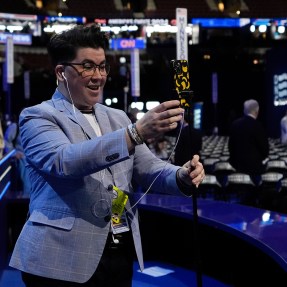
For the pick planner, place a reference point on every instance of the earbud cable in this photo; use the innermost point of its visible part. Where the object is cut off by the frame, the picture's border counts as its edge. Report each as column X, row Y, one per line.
column 167, row 161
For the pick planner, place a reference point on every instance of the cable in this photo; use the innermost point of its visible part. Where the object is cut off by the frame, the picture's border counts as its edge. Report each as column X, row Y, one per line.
column 68, row 89
column 167, row 161
column 102, row 201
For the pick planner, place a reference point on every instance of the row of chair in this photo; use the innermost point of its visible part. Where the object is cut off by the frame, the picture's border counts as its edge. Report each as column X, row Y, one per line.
column 269, row 192
column 223, row 182
column 215, row 151
column 224, row 168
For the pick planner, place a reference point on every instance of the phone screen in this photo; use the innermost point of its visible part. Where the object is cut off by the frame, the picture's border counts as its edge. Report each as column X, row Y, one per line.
column 181, row 81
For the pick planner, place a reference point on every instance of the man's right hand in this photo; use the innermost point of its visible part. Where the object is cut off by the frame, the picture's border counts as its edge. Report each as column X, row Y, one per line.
column 159, row 120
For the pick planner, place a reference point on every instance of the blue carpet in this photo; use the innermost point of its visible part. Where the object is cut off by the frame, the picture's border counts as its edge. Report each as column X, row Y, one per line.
column 11, row 278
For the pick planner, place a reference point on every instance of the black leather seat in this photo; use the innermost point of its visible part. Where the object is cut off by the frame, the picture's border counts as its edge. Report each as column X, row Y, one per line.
column 210, row 187
column 268, row 190
column 240, row 189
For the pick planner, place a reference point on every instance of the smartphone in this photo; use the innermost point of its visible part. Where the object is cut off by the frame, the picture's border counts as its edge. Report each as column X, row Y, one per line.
column 181, row 81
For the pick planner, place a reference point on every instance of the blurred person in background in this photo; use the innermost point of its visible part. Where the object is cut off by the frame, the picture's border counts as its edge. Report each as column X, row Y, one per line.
column 132, row 114
column 12, row 140
column 248, row 143
column 159, row 148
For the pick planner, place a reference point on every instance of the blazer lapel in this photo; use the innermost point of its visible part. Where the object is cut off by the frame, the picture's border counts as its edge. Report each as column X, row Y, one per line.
column 63, row 105
column 102, row 119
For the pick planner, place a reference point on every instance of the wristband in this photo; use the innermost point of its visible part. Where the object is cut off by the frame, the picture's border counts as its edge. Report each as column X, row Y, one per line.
column 134, row 135
column 142, row 139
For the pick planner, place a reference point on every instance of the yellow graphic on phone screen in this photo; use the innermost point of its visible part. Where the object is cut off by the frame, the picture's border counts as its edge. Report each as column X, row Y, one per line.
column 181, row 80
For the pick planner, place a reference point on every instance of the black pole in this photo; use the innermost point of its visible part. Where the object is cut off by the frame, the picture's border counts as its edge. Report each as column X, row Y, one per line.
column 195, row 214
column 182, row 85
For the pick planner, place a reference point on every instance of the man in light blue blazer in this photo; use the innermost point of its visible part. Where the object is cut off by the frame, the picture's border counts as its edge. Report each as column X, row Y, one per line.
column 82, row 158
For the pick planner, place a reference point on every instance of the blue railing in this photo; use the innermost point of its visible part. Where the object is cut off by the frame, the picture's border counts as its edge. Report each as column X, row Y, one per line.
column 5, row 173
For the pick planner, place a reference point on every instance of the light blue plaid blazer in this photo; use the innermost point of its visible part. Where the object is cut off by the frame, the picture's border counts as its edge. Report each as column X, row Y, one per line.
column 70, row 169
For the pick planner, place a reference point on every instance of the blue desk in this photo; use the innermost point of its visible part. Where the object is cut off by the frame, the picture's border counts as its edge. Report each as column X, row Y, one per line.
column 261, row 230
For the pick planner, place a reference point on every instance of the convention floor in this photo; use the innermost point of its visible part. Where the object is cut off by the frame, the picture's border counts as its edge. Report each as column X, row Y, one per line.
column 155, row 275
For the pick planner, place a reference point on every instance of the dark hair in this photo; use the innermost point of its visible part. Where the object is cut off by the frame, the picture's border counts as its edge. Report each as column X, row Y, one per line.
column 63, row 47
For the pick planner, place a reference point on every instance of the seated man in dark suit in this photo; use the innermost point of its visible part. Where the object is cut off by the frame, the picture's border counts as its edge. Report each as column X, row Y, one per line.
column 248, row 142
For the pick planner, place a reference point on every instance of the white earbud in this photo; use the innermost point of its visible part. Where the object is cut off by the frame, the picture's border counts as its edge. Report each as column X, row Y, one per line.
column 116, row 241
column 64, row 76
column 67, row 84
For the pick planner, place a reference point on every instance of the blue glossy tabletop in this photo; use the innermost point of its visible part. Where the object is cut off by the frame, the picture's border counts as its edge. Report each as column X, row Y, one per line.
column 264, row 229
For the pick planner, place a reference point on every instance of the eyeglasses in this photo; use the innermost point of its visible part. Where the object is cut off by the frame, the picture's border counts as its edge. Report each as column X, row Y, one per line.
column 89, row 68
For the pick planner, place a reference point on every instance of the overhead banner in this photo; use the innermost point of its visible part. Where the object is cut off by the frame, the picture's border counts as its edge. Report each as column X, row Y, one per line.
column 18, row 39
column 135, row 72
column 181, row 36
column 125, row 44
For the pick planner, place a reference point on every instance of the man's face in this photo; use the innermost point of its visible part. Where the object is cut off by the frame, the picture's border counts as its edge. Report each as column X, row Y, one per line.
column 85, row 91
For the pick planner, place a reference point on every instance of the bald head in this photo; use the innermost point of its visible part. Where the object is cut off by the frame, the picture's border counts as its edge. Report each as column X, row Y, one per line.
column 251, row 108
